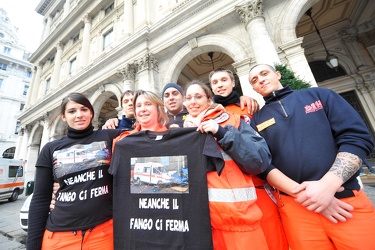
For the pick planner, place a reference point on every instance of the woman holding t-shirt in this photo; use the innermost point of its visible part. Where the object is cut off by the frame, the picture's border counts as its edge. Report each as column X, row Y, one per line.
column 79, row 162
column 235, row 216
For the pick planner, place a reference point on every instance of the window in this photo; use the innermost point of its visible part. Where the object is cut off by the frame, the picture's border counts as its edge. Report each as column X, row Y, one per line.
column 17, row 127
column 48, row 82
column 72, row 67
column 75, row 39
column 1, row 83
column 3, row 66
column 1, row 35
column 6, row 50
column 107, row 39
column 22, row 106
column 28, row 74
column 9, row 153
column 25, row 89
column 108, row 10
column 15, row 171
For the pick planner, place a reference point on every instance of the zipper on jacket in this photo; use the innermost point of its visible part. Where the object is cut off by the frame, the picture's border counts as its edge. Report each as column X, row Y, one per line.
column 281, row 104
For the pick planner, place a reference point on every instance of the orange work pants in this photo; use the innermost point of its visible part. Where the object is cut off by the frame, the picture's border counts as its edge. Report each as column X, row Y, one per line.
column 271, row 222
column 309, row 230
column 236, row 240
column 98, row 238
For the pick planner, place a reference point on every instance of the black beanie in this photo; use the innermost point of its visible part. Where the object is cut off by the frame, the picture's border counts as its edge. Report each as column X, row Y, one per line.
column 172, row 85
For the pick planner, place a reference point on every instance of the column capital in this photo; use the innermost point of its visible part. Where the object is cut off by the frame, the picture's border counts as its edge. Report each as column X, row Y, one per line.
column 58, row 45
column 250, row 10
column 87, row 18
column 128, row 72
column 148, row 62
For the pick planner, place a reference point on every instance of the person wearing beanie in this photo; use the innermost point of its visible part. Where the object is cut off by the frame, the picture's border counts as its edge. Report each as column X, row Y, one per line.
column 173, row 98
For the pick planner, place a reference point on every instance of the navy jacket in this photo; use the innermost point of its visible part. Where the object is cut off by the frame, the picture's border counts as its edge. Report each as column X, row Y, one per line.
column 305, row 129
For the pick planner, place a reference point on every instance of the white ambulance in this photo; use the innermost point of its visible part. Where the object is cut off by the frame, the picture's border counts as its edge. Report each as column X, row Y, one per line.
column 11, row 179
column 151, row 173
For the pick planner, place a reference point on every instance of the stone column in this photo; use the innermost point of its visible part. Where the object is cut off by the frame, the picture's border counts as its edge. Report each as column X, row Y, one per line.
column 31, row 87
column 148, row 72
column 366, row 86
column 47, row 27
column 32, row 156
column 46, row 130
column 86, row 41
column 128, row 17
column 128, row 74
column 36, row 84
column 251, row 14
column 56, row 69
column 22, row 143
column 356, row 51
column 66, row 8
column 295, row 55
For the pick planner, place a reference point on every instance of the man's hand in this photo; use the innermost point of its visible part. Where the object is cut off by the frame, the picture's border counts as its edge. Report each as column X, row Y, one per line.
column 252, row 104
column 337, row 210
column 318, row 194
column 111, row 124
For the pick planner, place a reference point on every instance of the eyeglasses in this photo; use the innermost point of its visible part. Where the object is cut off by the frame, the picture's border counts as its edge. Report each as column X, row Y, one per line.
column 196, row 97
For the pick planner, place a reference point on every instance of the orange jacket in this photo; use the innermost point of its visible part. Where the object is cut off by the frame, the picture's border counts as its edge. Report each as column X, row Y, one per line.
column 232, row 195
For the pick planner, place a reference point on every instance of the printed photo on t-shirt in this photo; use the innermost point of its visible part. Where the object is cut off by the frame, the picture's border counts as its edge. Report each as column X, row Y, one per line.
column 160, row 174
column 80, row 157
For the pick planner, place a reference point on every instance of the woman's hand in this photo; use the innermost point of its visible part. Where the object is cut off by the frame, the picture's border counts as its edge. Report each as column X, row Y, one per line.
column 208, row 126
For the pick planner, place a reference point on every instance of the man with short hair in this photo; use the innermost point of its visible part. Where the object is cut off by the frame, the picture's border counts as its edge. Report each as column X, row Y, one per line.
column 317, row 141
column 173, row 97
column 222, row 83
column 127, row 121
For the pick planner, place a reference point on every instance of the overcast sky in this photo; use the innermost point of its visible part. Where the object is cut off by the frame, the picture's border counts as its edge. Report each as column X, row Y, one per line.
column 22, row 14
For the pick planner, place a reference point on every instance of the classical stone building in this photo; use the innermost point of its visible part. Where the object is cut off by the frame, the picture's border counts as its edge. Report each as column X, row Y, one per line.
column 15, row 76
column 101, row 48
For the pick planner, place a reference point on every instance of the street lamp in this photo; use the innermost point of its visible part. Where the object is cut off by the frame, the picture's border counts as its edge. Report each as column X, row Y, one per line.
column 331, row 60
column 211, row 55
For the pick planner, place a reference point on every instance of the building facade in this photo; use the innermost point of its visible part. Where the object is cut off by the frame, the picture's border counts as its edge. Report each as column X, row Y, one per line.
column 15, row 77
column 102, row 48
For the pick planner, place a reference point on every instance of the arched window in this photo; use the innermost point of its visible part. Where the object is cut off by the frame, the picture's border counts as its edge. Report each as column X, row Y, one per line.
column 9, row 153
column 322, row 72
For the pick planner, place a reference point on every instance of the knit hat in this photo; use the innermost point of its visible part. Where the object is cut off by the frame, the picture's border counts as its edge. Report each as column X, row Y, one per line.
column 172, row 85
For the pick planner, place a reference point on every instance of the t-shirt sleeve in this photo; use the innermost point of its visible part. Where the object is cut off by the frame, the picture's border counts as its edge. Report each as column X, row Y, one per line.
column 39, row 207
column 213, row 155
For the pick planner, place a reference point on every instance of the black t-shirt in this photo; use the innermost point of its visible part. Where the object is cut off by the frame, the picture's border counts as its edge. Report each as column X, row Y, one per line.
column 160, row 189
column 80, row 166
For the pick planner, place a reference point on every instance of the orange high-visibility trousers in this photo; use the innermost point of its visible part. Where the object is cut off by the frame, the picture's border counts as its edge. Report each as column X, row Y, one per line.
column 98, row 238
column 306, row 230
column 271, row 222
column 236, row 240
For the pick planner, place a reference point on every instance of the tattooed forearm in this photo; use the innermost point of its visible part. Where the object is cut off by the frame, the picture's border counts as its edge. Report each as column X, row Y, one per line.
column 345, row 165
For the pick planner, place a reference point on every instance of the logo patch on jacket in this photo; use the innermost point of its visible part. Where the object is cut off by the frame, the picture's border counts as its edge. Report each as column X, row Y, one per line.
column 266, row 124
column 221, row 118
column 313, row 107
column 246, row 118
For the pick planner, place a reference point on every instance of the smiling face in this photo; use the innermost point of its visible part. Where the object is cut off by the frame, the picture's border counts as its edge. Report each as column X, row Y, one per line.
column 127, row 105
column 221, row 83
column 146, row 113
column 264, row 79
column 173, row 100
column 77, row 115
column 196, row 100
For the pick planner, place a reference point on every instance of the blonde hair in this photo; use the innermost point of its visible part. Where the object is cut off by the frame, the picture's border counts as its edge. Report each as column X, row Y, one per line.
column 162, row 116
